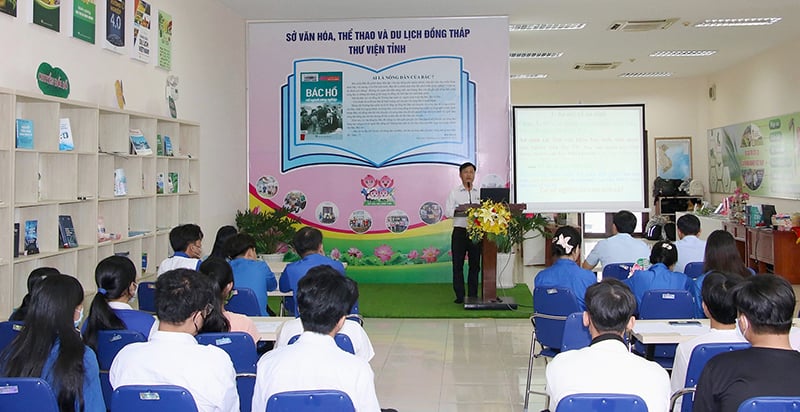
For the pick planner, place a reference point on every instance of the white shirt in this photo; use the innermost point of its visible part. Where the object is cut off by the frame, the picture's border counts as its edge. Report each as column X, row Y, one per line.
column 315, row 362
column 607, row 367
column 690, row 249
column 361, row 343
column 620, row 248
column 175, row 358
column 460, row 196
column 178, row 262
column 684, row 352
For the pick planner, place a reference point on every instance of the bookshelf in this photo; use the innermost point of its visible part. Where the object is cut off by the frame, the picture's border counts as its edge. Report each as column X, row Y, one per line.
column 42, row 183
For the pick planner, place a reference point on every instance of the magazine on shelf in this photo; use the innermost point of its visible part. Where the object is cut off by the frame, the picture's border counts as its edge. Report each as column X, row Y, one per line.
column 139, row 144
column 66, row 232
column 173, row 184
column 65, row 142
column 31, row 237
column 24, row 134
column 160, row 184
column 120, row 183
column 159, row 145
column 167, row 146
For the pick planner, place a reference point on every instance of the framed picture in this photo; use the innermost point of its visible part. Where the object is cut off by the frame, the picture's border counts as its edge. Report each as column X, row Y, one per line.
column 674, row 157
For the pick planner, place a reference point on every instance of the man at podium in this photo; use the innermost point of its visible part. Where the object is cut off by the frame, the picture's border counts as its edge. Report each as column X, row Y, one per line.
column 459, row 201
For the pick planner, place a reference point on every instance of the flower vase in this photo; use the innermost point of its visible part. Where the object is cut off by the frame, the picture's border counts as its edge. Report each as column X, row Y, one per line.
column 505, row 270
column 272, row 257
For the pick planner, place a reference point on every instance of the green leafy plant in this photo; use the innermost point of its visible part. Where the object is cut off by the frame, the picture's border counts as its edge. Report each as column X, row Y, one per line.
column 518, row 227
column 273, row 230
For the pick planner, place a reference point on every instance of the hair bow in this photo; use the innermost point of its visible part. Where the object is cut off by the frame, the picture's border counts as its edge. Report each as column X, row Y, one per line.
column 564, row 242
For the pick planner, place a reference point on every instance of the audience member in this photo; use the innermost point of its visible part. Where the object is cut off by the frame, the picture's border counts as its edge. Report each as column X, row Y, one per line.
column 172, row 356
column 621, row 247
column 223, row 234
column 50, row 347
column 248, row 270
column 765, row 305
column 187, row 242
column 314, row 361
column 606, row 366
column 565, row 272
column 115, row 277
column 34, row 278
column 721, row 256
column 719, row 308
column 660, row 274
column 221, row 275
column 307, row 243
column 690, row 247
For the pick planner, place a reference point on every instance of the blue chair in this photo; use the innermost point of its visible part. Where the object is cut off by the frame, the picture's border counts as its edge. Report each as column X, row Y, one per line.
column 771, row 404
column 244, row 301
column 152, row 398
column 551, row 308
column 27, row 394
column 146, row 293
column 576, row 335
column 601, row 402
column 8, row 331
column 693, row 269
column 310, row 401
column 342, row 341
column 109, row 343
column 664, row 304
column 242, row 350
column 619, row 271
column 701, row 354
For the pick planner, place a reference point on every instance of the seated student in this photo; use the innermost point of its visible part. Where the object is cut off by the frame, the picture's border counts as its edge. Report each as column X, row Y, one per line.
column 50, row 347
column 606, row 366
column 314, row 361
column 223, row 234
column 690, row 247
column 172, row 356
column 565, row 272
column 187, row 242
column 115, row 277
column 307, row 243
column 721, row 255
column 219, row 271
column 660, row 275
column 621, row 247
column 248, row 270
column 34, row 278
column 765, row 304
column 719, row 308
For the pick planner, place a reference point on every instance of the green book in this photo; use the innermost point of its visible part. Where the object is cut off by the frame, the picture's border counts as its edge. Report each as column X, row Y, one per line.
column 173, row 182
column 159, row 145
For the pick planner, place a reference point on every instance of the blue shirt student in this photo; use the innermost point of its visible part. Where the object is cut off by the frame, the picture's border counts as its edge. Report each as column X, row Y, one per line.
column 255, row 275
column 92, row 393
column 620, row 248
column 296, row 270
column 566, row 273
column 137, row 320
column 659, row 277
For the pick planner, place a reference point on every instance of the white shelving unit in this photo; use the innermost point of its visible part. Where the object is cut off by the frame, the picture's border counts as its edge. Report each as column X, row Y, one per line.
column 42, row 183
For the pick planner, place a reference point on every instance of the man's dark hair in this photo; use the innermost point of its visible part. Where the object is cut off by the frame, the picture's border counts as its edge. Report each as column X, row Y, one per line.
column 180, row 293
column 180, row 237
column 717, row 296
column 625, row 221
column 323, row 297
column 466, row 165
column 689, row 224
column 767, row 301
column 238, row 244
column 307, row 240
column 610, row 304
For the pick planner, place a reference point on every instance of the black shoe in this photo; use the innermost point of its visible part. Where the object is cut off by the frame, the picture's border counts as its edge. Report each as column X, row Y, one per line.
column 459, row 300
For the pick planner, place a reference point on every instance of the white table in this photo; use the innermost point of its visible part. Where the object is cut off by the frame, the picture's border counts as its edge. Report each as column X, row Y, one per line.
column 651, row 332
column 268, row 326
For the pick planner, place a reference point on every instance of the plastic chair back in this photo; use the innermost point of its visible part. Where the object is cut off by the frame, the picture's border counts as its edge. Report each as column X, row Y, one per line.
column 27, row 394
column 576, row 335
column 342, row 341
column 619, row 271
column 771, row 404
column 551, row 307
column 146, row 294
column 666, row 304
column 244, row 301
column 693, row 269
column 701, row 354
column 310, row 401
column 152, row 398
column 601, row 402
column 109, row 343
column 8, row 331
column 242, row 350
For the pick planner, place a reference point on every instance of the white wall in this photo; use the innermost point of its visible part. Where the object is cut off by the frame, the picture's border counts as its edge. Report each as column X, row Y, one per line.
column 209, row 57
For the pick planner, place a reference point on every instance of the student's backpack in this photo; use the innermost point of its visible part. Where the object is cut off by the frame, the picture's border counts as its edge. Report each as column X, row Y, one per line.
column 659, row 227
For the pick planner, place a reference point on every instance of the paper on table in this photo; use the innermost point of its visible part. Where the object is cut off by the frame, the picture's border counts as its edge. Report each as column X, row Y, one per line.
column 666, row 328
column 267, row 326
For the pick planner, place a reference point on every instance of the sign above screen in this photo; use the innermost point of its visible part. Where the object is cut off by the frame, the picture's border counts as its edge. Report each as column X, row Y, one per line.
column 580, row 158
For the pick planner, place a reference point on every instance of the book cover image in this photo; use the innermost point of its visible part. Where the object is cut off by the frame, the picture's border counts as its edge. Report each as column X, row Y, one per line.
column 24, row 134
column 159, row 145
column 66, row 232
column 160, row 184
column 139, row 143
column 8, row 7
column 168, row 146
column 46, row 13
column 115, row 25
column 120, row 182
column 83, row 20
column 31, row 237
column 174, row 183
column 141, row 31
column 65, row 142
column 321, row 106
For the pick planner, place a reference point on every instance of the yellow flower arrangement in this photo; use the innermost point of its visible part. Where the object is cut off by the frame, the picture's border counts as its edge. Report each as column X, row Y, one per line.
column 489, row 220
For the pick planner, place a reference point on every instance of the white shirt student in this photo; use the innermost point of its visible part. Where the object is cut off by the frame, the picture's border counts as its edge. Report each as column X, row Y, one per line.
column 362, row 346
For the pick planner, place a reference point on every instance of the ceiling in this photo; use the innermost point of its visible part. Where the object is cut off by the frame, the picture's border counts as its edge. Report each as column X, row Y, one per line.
column 593, row 44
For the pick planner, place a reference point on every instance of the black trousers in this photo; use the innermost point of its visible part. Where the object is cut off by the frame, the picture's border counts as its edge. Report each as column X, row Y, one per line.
column 461, row 245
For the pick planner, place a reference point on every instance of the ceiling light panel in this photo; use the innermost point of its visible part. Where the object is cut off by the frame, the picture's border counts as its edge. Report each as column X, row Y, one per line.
column 682, row 53
column 747, row 21
column 529, row 76
column 645, row 74
column 535, row 55
column 546, row 26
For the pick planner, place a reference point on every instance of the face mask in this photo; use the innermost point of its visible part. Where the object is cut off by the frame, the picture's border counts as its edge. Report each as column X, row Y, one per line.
column 739, row 331
column 80, row 318
column 135, row 292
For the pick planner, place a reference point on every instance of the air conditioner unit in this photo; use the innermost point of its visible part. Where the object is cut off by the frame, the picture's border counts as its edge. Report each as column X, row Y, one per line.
column 642, row 25
column 596, row 66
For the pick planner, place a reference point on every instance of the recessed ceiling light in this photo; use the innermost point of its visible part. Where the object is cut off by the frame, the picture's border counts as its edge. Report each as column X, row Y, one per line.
column 535, row 55
column 682, row 53
column 546, row 26
column 747, row 21
column 646, row 74
column 529, row 76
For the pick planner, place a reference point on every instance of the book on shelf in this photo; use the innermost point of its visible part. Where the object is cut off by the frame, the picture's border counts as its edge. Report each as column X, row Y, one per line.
column 134, row 233
column 24, row 134
column 159, row 145
column 160, row 184
column 120, row 182
column 173, row 183
column 66, row 232
column 65, row 141
column 139, row 145
column 31, row 237
column 167, row 146
column 16, row 239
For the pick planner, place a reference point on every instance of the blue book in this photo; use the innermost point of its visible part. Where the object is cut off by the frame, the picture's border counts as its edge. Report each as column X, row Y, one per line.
column 65, row 142
column 24, row 134
column 167, row 146
column 31, row 237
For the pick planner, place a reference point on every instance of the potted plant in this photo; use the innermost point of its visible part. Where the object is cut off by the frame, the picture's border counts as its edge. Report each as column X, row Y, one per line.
column 272, row 230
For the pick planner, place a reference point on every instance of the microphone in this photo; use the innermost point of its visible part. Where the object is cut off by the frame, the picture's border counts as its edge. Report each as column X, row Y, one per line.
column 469, row 191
